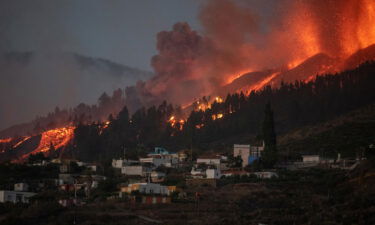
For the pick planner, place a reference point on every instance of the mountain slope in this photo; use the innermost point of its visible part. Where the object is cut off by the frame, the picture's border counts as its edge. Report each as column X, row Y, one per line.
column 346, row 134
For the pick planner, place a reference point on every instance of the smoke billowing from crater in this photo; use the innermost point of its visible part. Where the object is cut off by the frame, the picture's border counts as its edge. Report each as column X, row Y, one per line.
column 236, row 39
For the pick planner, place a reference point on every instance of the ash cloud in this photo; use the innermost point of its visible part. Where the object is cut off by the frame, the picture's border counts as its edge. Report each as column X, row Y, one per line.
column 242, row 36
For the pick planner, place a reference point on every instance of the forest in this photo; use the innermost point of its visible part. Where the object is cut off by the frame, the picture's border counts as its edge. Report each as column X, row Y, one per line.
column 236, row 118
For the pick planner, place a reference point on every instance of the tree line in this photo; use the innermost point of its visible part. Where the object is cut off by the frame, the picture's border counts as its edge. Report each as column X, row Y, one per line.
column 294, row 105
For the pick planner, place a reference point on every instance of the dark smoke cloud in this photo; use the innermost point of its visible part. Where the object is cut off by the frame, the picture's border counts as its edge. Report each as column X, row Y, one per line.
column 242, row 36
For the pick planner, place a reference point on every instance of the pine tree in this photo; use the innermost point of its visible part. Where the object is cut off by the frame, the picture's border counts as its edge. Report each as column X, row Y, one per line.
column 269, row 156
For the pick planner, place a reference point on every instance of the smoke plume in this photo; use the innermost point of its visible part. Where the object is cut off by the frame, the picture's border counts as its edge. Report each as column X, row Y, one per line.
column 239, row 37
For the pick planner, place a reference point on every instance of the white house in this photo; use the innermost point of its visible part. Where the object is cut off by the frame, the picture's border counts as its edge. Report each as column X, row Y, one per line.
column 213, row 174
column 243, row 151
column 214, row 160
column 119, row 163
column 168, row 162
column 138, row 170
column 19, row 194
column 15, row 196
column 247, row 153
column 197, row 172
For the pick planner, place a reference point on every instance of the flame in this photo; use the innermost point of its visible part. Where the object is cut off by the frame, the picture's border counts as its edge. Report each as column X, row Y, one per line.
column 231, row 77
column 217, row 116
column 58, row 137
column 22, row 141
column 7, row 140
column 263, row 82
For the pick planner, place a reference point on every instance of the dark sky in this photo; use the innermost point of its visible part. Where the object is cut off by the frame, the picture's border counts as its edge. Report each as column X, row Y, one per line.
column 123, row 31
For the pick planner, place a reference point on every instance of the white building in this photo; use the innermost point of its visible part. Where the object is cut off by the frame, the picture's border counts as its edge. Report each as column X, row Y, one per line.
column 137, row 170
column 209, row 160
column 213, row 174
column 119, row 163
column 167, row 162
column 15, row 196
column 243, row 151
column 19, row 194
column 247, row 153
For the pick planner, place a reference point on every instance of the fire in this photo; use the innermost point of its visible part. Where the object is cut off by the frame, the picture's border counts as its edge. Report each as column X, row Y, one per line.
column 176, row 123
column 58, row 137
column 7, row 140
column 263, row 82
column 217, row 116
column 22, row 141
column 232, row 77
column 218, row 99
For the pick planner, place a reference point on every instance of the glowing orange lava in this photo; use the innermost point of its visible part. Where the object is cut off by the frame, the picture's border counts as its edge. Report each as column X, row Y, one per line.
column 22, row 141
column 7, row 140
column 58, row 137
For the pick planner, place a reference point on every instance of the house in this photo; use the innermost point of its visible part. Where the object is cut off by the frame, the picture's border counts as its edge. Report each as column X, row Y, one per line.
column 167, row 162
column 119, row 163
column 15, row 196
column 148, row 188
column 203, row 171
column 198, row 171
column 213, row 174
column 162, row 157
column 248, row 153
column 19, row 194
column 209, row 160
column 138, row 170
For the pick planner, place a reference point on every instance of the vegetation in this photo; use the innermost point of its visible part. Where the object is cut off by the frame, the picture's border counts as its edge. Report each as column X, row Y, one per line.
column 296, row 104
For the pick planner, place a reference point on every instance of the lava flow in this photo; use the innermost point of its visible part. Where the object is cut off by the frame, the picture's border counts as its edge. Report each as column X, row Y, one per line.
column 58, row 138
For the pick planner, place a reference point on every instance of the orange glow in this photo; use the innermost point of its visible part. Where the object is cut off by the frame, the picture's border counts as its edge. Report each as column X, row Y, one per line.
column 22, row 141
column 7, row 140
column 294, row 64
column 217, row 116
column 230, row 78
column 218, row 99
column 263, row 82
column 58, row 137
column 199, row 126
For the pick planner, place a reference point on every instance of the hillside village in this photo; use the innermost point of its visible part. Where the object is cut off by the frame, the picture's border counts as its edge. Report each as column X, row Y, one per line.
column 161, row 177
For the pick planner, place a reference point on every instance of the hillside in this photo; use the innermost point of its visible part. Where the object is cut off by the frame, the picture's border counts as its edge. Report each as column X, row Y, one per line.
column 347, row 134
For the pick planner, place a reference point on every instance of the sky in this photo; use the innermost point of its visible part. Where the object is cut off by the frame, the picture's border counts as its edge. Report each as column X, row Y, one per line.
column 122, row 31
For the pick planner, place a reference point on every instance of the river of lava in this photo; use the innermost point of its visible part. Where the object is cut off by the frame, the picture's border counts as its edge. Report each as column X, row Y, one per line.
column 58, row 137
